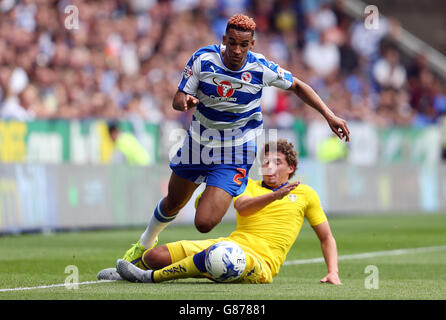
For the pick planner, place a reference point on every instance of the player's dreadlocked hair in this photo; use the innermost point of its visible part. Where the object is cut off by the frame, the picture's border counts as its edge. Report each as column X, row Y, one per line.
column 241, row 22
column 287, row 149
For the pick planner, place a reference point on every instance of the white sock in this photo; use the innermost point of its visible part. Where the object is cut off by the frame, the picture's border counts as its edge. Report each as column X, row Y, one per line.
column 157, row 224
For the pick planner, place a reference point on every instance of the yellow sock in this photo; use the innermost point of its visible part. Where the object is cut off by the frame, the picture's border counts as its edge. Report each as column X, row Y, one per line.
column 185, row 268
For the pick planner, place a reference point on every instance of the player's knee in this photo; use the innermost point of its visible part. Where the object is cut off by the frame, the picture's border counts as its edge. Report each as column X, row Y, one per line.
column 204, row 226
column 157, row 258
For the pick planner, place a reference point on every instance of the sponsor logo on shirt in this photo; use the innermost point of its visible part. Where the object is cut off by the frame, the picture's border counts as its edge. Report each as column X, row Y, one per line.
column 225, row 90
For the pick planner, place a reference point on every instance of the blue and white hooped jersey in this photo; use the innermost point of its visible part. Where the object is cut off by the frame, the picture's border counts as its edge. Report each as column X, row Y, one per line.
column 229, row 112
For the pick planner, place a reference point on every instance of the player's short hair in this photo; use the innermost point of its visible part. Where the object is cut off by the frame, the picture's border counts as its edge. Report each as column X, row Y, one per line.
column 241, row 22
column 287, row 149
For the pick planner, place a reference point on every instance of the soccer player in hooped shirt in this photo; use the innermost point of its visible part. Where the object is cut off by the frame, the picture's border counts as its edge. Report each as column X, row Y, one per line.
column 224, row 84
column 270, row 214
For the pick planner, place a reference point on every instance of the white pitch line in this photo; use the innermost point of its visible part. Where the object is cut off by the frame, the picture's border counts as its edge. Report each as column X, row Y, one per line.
column 367, row 255
column 286, row 263
column 55, row 285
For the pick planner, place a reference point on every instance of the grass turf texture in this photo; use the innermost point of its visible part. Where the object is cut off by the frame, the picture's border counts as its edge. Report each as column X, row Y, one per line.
column 35, row 260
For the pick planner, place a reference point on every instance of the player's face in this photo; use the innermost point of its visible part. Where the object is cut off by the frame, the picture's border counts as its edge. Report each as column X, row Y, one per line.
column 114, row 135
column 275, row 169
column 237, row 43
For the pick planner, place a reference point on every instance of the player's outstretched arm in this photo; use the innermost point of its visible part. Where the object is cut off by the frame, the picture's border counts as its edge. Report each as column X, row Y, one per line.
column 183, row 101
column 246, row 205
column 310, row 97
column 328, row 245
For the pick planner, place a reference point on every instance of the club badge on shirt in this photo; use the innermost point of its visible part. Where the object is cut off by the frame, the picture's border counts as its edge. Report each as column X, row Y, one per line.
column 247, row 76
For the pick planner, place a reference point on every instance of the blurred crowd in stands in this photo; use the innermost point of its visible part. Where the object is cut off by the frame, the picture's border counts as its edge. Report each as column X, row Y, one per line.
column 126, row 58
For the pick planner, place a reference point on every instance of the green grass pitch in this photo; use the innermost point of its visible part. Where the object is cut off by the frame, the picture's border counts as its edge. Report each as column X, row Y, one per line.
column 41, row 259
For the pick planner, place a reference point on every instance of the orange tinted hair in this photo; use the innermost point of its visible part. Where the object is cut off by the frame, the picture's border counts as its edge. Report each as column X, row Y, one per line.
column 241, row 22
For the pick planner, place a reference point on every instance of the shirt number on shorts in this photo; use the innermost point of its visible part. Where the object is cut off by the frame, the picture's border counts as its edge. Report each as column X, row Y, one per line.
column 239, row 176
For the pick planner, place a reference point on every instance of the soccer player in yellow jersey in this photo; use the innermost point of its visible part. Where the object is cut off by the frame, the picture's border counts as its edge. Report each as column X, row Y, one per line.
column 270, row 214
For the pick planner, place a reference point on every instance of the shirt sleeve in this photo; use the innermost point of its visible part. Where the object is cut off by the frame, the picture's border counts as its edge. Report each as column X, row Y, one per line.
column 274, row 75
column 190, row 76
column 314, row 212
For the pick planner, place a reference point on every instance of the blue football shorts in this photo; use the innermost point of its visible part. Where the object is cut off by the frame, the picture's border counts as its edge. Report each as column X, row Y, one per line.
column 231, row 177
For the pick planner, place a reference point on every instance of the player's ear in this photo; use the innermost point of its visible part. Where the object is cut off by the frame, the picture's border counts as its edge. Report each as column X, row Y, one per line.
column 253, row 41
column 224, row 39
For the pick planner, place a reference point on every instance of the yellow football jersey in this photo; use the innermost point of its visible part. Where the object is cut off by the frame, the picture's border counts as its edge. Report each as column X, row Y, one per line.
column 271, row 231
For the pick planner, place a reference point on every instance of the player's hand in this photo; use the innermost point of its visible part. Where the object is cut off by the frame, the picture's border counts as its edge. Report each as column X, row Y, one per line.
column 339, row 127
column 183, row 101
column 285, row 190
column 190, row 102
column 332, row 278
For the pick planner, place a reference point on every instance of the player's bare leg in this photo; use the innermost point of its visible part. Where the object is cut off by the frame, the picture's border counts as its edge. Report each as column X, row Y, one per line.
column 163, row 268
column 157, row 258
column 179, row 192
column 211, row 208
